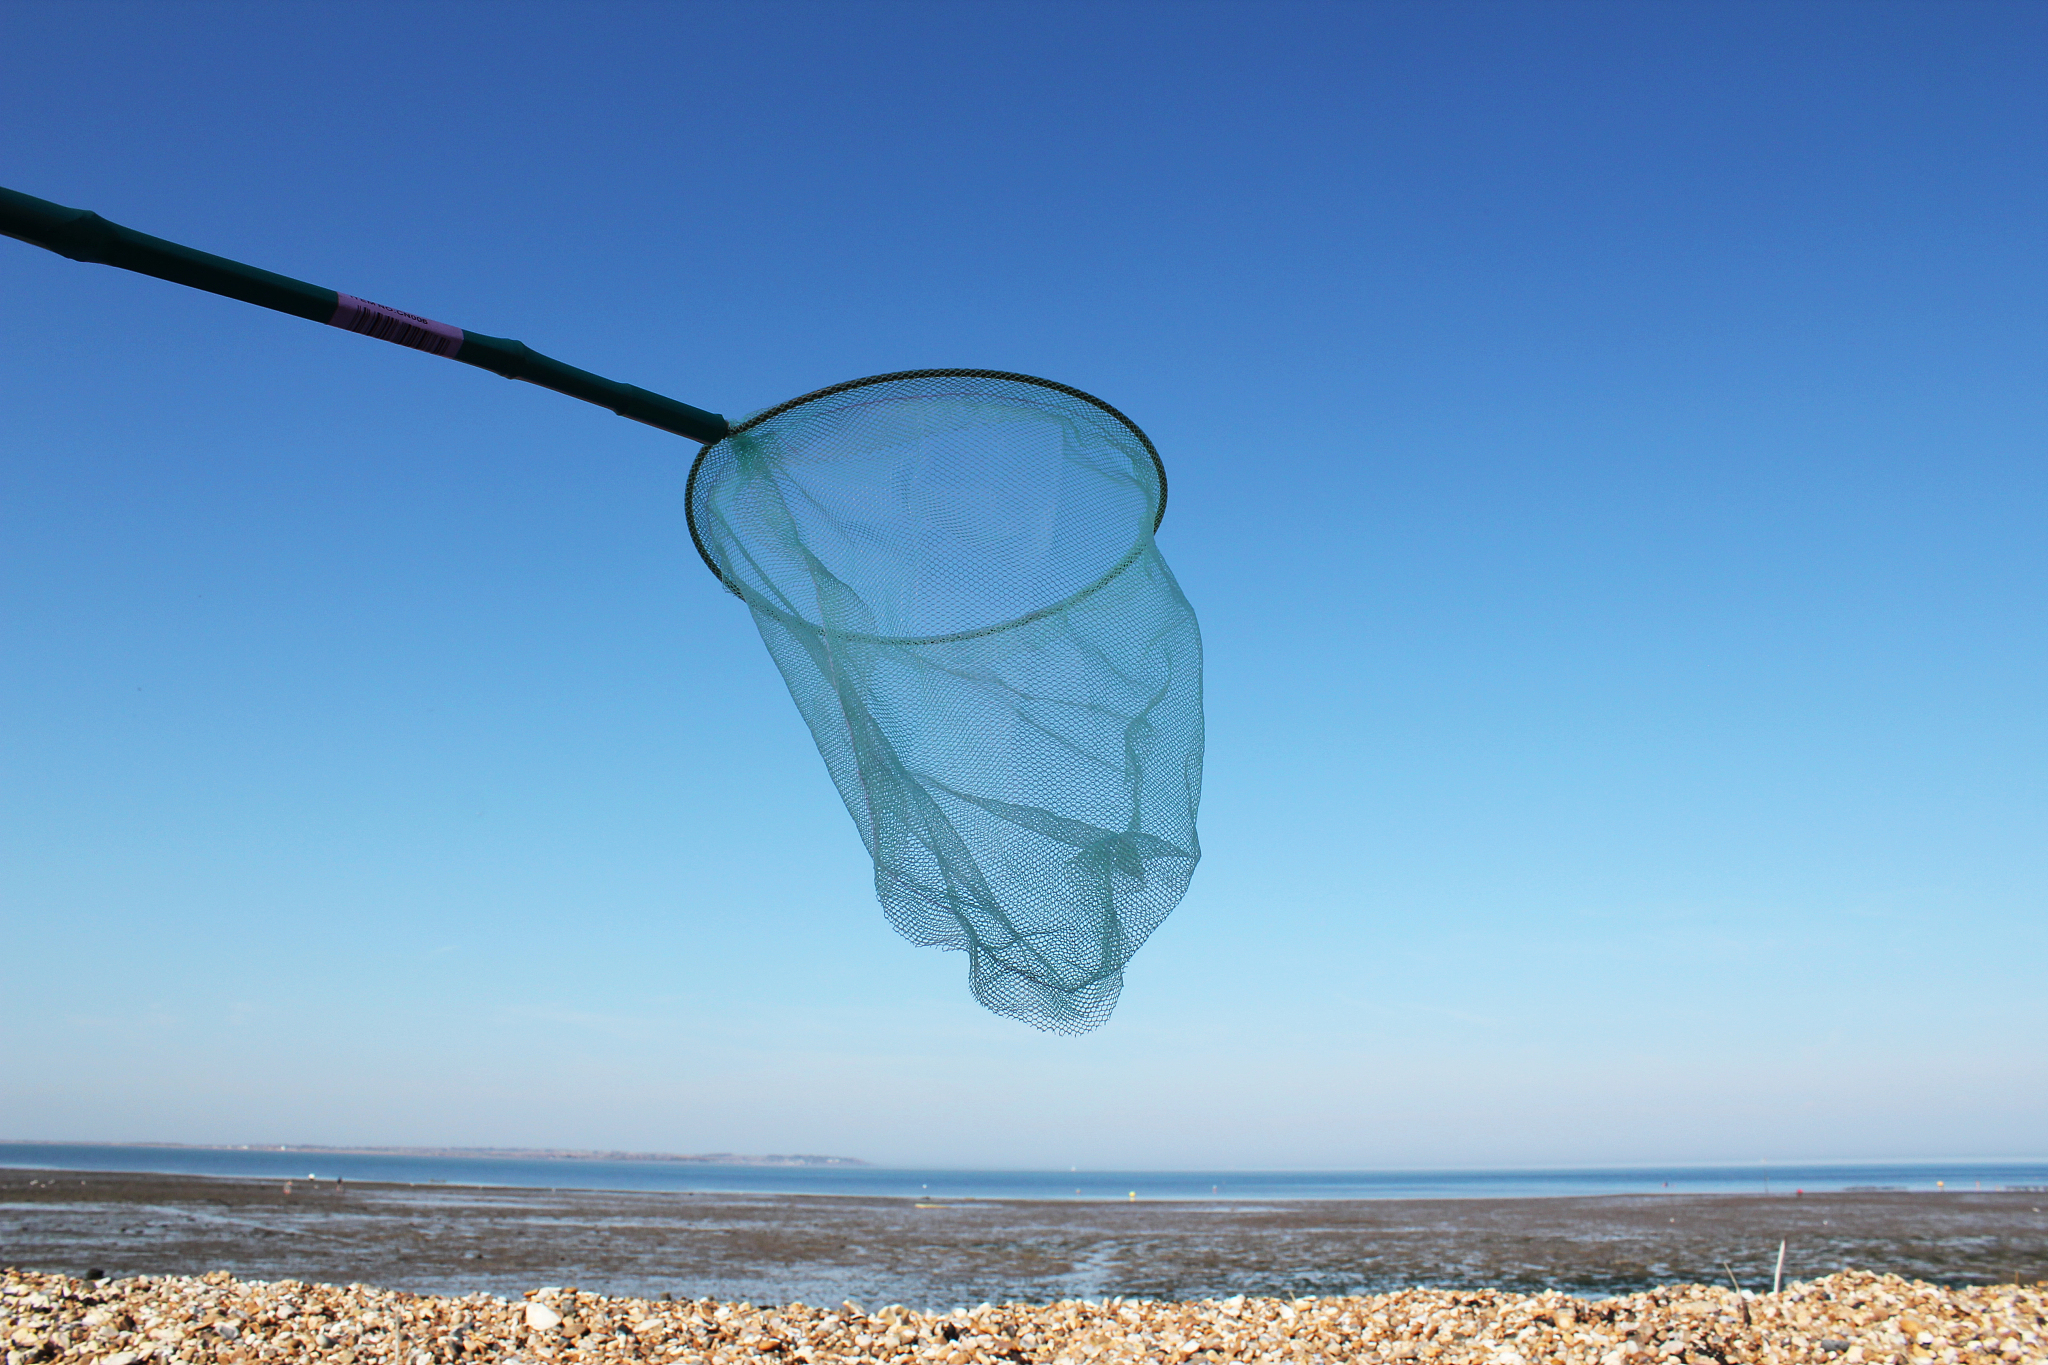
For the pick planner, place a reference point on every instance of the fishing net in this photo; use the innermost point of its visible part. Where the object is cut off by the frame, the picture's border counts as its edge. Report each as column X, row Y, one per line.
column 955, row 572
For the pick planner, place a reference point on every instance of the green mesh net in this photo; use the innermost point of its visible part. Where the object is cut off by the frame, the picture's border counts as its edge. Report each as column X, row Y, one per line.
column 955, row 572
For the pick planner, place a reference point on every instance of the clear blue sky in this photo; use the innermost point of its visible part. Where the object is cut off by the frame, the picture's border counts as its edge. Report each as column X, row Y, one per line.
column 1607, row 451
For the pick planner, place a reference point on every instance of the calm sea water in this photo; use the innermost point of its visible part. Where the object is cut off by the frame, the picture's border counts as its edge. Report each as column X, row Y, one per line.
column 571, row 1173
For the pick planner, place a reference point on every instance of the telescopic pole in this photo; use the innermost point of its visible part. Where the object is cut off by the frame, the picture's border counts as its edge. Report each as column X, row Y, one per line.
column 85, row 236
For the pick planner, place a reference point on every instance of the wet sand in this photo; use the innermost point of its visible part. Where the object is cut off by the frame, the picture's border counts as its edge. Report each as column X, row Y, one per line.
column 774, row 1249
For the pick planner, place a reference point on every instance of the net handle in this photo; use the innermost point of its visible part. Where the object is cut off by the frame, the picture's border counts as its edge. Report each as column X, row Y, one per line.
column 85, row 236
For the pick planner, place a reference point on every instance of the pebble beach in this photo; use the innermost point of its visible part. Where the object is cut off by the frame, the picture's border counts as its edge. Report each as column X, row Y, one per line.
column 215, row 1319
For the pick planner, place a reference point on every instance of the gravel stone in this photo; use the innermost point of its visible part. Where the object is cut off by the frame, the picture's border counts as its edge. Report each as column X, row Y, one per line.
column 1852, row 1316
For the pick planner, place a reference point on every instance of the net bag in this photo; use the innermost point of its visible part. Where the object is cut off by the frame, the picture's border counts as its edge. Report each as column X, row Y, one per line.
column 955, row 572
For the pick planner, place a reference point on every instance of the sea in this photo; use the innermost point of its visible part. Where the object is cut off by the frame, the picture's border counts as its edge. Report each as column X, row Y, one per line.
column 529, row 1171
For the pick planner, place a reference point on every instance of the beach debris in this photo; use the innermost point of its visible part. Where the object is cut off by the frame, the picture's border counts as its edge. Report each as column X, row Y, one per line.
column 1851, row 1317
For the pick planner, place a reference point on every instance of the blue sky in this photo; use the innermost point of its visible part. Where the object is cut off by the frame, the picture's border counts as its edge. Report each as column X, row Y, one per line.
column 1606, row 446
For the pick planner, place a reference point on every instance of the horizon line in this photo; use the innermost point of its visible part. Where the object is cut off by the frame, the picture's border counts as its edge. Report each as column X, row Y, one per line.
column 814, row 1160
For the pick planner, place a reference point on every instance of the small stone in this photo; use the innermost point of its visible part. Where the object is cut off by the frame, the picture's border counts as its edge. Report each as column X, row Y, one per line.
column 48, row 1319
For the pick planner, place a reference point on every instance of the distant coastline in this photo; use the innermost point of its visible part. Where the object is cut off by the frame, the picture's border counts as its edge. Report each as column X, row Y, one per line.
column 812, row 1174
column 510, row 1153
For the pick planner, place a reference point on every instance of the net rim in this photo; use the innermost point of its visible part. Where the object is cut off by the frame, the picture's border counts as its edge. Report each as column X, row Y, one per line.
column 697, row 465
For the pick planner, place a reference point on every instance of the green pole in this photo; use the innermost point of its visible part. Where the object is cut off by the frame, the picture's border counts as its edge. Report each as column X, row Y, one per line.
column 85, row 236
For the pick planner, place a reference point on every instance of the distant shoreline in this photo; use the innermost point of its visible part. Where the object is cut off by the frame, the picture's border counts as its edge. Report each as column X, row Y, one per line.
column 510, row 1153
column 813, row 1173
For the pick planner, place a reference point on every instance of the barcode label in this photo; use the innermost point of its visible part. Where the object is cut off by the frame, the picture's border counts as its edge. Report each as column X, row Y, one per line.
column 389, row 324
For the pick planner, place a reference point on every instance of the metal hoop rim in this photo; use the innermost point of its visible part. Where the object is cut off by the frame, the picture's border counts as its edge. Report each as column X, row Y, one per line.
column 690, row 486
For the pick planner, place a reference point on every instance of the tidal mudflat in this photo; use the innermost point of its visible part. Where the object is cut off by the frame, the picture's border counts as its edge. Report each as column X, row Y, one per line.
column 769, row 1249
